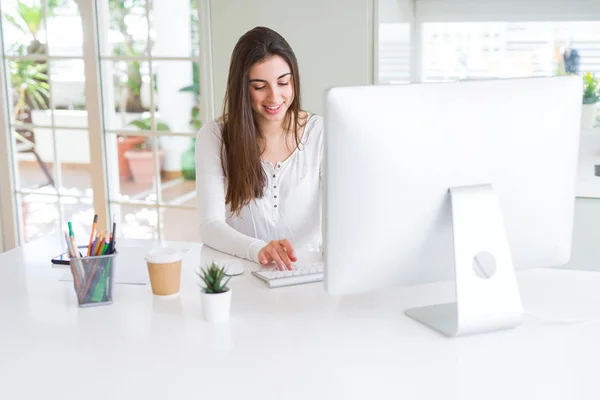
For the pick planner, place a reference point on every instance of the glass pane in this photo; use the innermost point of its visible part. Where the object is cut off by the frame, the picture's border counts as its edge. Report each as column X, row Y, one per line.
column 173, row 27
column 195, row 16
column 394, row 53
column 584, row 37
column 125, row 95
column 130, row 164
column 64, row 28
column 173, row 228
column 24, row 32
column 473, row 50
column 80, row 212
column 179, row 190
column 74, row 156
column 461, row 51
column 136, row 221
column 34, row 155
column 177, row 96
column 40, row 216
column 123, row 28
column 68, row 93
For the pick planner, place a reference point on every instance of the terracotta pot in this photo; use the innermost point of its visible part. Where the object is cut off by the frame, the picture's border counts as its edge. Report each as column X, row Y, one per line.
column 125, row 144
column 141, row 164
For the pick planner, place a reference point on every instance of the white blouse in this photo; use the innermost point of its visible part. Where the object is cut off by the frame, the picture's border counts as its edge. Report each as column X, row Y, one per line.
column 290, row 208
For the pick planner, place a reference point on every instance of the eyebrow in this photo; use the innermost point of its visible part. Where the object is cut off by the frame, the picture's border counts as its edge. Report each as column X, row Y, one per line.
column 262, row 80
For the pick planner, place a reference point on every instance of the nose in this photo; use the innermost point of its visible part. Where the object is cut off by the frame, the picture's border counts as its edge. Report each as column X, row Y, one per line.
column 273, row 95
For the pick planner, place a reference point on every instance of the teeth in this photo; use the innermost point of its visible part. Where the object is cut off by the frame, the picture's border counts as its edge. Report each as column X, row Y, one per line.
column 273, row 108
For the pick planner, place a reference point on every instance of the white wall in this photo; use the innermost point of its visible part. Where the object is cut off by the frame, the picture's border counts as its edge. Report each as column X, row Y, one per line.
column 395, row 11
column 508, row 10
column 585, row 255
column 332, row 40
column 1, row 228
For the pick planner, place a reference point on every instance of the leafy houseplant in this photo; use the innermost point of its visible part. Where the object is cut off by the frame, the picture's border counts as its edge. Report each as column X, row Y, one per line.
column 140, row 157
column 591, row 96
column 215, row 294
column 188, row 162
column 28, row 18
column 145, row 124
column 30, row 84
column 591, row 89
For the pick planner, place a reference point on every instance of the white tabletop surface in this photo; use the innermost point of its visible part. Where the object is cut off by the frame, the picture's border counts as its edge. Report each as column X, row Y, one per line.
column 287, row 343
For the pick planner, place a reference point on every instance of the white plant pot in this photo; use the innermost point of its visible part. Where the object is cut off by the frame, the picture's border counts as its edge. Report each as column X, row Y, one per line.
column 215, row 307
column 588, row 115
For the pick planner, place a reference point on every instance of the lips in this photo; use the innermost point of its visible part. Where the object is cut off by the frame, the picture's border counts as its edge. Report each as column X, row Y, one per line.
column 273, row 109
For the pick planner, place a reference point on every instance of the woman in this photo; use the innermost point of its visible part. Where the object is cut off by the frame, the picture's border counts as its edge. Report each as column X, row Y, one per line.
column 258, row 175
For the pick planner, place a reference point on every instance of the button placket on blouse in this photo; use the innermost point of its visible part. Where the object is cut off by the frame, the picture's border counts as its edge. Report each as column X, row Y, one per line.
column 274, row 186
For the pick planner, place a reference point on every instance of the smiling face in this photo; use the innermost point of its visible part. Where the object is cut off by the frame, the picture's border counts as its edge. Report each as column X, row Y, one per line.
column 271, row 89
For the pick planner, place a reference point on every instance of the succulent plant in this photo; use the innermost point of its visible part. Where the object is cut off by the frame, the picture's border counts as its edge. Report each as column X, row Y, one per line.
column 214, row 279
column 591, row 88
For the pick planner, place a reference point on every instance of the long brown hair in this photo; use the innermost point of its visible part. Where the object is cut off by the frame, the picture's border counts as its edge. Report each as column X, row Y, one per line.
column 241, row 150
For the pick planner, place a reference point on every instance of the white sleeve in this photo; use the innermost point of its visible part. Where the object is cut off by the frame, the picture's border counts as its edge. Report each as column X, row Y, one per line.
column 210, row 195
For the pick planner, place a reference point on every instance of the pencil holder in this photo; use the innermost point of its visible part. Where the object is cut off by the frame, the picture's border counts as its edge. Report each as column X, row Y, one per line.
column 93, row 279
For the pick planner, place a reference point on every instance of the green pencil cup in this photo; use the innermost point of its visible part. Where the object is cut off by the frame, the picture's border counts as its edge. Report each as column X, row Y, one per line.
column 93, row 279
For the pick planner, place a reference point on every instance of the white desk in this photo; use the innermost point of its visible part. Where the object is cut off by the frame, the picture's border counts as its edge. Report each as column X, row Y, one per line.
column 288, row 343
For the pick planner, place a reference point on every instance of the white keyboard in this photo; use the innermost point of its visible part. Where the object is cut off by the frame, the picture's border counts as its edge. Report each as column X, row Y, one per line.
column 302, row 273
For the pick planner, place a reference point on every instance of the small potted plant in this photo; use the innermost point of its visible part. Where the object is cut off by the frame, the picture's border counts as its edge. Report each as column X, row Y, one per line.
column 140, row 156
column 216, row 296
column 124, row 144
column 591, row 95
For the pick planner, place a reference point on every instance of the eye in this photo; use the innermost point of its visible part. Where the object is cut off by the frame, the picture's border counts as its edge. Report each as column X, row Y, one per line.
column 284, row 83
column 259, row 87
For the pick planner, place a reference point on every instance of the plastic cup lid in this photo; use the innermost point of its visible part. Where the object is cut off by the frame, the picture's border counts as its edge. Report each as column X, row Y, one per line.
column 164, row 255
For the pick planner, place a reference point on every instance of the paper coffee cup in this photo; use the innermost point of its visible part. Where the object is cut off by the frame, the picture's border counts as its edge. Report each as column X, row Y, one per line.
column 164, row 268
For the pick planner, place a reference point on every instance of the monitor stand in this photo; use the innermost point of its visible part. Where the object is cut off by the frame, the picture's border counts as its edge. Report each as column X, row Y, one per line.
column 487, row 294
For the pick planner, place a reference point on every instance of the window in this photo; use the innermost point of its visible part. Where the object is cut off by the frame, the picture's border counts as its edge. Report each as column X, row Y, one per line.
column 150, row 92
column 394, row 53
column 393, row 41
column 472, row 50
column 44, row 77
column 146, row 95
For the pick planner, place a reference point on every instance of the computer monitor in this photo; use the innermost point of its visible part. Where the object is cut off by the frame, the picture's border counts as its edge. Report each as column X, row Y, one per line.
column 465, row 180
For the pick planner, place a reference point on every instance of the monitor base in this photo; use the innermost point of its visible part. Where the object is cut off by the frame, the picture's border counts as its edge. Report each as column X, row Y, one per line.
column 487, row 294
column 443, row 318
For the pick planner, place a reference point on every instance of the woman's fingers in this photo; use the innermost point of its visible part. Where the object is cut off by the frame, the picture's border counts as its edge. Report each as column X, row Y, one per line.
column 282, row 252
column 289, row 249
column 263, row 258
column 276, row 257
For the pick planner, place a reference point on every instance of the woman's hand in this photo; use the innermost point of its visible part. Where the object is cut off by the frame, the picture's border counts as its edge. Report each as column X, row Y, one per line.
column 279, row 251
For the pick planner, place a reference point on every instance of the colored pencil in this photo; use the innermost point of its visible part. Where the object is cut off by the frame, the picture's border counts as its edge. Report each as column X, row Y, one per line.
column 113, row 237
column 89, row 252
column 73, row 265
column 96, row 244
column 100, row 246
